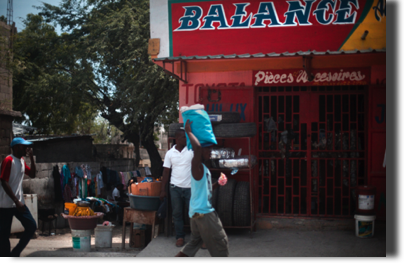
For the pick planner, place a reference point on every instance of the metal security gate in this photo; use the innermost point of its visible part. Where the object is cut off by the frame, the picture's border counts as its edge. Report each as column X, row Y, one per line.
column 311, row 149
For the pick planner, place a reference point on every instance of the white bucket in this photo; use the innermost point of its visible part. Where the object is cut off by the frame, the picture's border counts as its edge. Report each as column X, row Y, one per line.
column 364, row 225
column 81, row 240
column 103, row 236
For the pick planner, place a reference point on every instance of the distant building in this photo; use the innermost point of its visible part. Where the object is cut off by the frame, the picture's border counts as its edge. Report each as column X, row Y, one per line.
column 162, row 134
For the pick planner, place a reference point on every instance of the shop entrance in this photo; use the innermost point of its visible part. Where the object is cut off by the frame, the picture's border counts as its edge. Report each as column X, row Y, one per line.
column 311, row 149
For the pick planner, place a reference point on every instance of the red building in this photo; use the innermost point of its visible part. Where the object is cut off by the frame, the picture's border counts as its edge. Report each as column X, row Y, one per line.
column 313, row 69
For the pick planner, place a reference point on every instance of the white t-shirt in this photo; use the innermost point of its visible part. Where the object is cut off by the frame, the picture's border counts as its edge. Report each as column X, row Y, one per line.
column 180, row 163
column 116, row 193
column 13, row 170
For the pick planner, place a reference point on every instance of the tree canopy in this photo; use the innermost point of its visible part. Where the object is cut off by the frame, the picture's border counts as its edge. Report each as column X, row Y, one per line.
column 99, row 63
column 44, row 89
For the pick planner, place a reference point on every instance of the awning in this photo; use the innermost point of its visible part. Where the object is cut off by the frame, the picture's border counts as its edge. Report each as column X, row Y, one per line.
column 271, row 55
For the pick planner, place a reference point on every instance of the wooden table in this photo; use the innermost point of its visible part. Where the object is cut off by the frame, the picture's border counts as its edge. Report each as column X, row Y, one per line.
column 139, row 217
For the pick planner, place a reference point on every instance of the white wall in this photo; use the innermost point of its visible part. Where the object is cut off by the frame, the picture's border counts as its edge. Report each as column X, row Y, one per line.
column 159, row 25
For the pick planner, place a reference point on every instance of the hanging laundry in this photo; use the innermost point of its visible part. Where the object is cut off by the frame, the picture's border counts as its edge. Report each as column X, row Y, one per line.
column 148, row 172
column 74, row 185
column 142, row 172
column 100, row 180
column 122, row 179
column 90, row 187
column 84, row 170
column 97, row 190
column 88, row 171
column 75, row 189
column 84, row 187
column 67, row 194
column 62, row 183
column 79, row 172
column 108, row 172
column 66, row 174
column 103, row 171
column 100, row 183
column 113, row 178
column 57, row 183
column 126, row 179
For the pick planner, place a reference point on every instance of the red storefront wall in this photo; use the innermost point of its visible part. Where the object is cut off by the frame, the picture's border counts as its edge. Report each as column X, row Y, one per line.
column 377, row 138
column 234, row 91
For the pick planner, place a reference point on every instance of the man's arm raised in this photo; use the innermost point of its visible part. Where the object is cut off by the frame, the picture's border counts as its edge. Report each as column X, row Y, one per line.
column 197, row 169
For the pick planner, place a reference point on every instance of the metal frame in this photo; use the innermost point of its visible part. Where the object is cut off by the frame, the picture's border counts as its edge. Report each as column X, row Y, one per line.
column 320, row 176
column 183, row 66
column 10, row 12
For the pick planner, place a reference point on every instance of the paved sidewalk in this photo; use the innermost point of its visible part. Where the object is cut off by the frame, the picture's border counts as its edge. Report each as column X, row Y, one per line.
column 290, row 242
column 284, row 243
column 60, row 245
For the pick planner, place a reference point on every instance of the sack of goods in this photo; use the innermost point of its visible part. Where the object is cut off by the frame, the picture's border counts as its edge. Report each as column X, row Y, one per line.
column 201, row 124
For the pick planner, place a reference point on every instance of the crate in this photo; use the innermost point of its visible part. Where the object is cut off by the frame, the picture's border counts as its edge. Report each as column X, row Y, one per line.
column 138, row 238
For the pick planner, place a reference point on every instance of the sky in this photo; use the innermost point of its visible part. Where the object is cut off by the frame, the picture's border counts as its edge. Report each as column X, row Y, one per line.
column 23, row 7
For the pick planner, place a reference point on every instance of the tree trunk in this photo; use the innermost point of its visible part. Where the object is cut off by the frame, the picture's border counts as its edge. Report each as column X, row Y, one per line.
column 155, row 159
column 137, row 151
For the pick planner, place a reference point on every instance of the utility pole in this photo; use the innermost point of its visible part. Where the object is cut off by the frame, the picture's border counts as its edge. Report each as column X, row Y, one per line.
column 10, row 22
column 9, row 12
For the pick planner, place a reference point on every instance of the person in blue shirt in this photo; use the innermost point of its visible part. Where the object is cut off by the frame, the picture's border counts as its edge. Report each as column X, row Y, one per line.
column 205, row 223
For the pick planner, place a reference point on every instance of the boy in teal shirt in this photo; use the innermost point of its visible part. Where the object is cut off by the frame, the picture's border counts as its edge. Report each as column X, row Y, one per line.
column 205, row 223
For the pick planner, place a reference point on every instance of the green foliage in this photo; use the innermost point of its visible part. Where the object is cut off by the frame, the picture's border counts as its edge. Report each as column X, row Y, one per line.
column 46, row 88
column 106, row 44
column 105, row 133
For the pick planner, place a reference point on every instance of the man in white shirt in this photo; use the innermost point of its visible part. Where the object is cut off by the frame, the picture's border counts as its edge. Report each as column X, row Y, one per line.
column 12, row 203
column 178, row 159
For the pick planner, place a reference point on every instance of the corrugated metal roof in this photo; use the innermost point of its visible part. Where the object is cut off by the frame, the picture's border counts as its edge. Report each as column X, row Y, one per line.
column 271, row 55
column 64, row 137
column 21, row 129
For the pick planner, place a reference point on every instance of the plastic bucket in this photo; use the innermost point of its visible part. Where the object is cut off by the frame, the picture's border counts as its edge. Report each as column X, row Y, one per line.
column 364, row 226
column 365, row 200
column 103, row 236
column 81, row 240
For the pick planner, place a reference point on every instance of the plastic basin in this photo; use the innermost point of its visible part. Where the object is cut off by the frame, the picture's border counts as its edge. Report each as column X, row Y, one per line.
column 83, row 222
column 149, row 203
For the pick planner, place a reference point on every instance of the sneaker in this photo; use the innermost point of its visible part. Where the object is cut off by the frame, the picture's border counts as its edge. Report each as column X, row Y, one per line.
column 180, row 242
